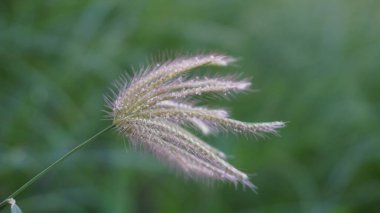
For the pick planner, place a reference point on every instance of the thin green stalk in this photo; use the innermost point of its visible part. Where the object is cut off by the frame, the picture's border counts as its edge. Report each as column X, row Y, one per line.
column 39, row 175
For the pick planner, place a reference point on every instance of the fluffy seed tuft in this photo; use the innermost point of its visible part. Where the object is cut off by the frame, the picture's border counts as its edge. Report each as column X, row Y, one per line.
column 152, row 109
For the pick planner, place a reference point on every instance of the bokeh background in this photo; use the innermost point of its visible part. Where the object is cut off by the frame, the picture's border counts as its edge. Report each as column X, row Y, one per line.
column 316, row 65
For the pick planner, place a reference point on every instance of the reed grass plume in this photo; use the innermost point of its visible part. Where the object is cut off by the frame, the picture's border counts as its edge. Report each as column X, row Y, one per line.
column 156, row 107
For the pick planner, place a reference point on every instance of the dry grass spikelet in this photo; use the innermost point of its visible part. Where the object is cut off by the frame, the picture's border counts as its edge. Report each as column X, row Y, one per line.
column 153, row 107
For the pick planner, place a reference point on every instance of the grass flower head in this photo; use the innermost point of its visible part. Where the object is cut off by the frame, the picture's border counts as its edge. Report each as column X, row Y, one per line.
column 153, row 110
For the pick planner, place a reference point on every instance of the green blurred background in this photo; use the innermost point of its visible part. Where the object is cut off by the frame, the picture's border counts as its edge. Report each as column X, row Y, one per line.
column 316, row 64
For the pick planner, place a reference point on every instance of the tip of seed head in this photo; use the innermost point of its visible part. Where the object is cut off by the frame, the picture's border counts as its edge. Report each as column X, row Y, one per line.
column 278, row 124
column 243, row 85
column 222, row 60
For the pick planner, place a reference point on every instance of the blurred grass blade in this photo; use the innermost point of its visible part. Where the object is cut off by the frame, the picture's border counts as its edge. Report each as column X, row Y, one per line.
column 14, row 206
column 15, row 209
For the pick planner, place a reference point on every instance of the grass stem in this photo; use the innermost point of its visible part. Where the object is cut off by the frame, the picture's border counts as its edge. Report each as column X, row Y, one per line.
column 39, row 175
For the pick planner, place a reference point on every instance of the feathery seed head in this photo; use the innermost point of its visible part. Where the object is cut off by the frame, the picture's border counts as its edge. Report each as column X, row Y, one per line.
column 152, row 110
